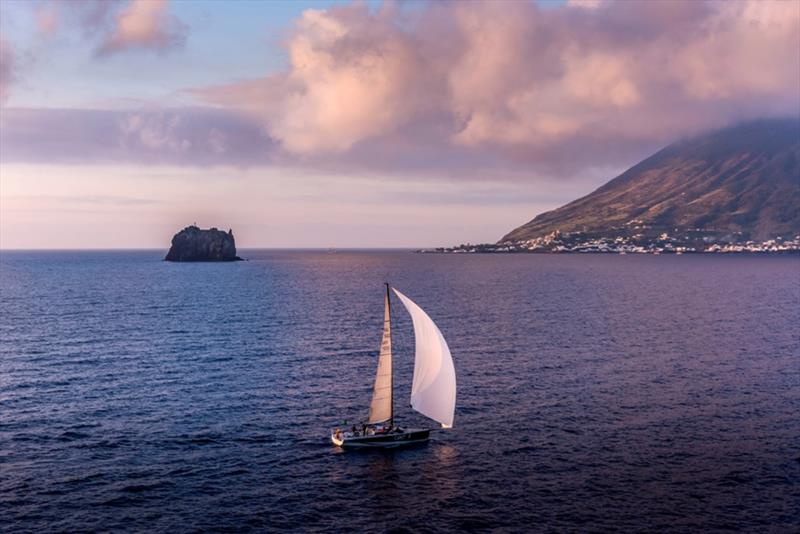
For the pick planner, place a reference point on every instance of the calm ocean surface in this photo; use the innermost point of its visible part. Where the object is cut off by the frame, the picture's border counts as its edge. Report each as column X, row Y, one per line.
column 595, row 392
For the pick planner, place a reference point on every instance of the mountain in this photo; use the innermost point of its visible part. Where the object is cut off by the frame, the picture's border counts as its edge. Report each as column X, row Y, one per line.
column 742, row 181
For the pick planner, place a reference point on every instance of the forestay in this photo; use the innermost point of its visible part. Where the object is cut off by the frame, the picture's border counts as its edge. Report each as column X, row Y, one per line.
column 380, row 409
column 433, row 390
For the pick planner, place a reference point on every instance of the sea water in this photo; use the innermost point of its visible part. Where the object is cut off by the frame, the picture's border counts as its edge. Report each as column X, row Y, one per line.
column 594, row 392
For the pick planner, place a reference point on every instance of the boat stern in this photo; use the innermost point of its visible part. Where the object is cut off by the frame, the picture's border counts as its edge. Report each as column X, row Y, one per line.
column 337, row 437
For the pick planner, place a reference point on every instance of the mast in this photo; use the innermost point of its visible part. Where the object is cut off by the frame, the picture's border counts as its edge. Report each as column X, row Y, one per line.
column 391, row 370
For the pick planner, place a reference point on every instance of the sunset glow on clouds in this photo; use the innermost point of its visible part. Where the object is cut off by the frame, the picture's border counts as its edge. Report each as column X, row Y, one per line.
column 516, row 94
column 144, row 24
column 525, row 81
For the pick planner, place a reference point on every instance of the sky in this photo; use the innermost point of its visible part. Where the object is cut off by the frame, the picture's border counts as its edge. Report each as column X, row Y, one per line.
column 357, row 124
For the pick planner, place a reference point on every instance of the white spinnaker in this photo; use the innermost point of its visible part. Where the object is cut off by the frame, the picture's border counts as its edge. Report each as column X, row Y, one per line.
column 380, row 409
column 433, row 390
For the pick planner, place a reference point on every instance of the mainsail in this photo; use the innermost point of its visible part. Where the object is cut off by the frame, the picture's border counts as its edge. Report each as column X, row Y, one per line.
column 380, row 409
column 433, row 390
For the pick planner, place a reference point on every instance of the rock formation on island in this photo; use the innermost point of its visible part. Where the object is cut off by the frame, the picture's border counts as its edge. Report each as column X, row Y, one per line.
column 195, row 244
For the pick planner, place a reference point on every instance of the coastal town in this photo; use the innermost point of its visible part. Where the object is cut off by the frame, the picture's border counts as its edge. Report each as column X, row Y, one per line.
column 644, row 242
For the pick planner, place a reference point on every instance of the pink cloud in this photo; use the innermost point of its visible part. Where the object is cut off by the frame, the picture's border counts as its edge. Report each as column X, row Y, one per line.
column 47, row 19
column 457, row 89
column 586, row 83
column 117, row 25
column 144, row 24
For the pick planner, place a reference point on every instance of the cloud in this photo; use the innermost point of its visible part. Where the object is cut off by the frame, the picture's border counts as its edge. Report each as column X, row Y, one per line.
column 116, row 25
column 107, row 200
column 585, row 4
column 446, row 89
column 144, row 24
column 7, row 69
column 92, row 16
column 179, row 136
column 47, row 19
column 588, row 83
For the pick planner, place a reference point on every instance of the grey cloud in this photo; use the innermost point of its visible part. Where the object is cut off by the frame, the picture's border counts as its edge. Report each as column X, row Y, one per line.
column 179, row 136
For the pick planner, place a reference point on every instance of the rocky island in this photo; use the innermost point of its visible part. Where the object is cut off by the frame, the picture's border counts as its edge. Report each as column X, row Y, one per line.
column 194, row 244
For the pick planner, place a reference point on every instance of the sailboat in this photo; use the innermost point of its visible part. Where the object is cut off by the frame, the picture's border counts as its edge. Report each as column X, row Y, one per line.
column 433, row 388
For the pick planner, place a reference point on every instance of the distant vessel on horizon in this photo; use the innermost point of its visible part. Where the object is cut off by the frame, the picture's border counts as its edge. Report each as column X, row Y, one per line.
column 433, row 389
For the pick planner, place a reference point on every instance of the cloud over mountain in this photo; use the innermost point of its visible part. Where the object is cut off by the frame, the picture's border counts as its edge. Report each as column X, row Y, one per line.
column 532, row 85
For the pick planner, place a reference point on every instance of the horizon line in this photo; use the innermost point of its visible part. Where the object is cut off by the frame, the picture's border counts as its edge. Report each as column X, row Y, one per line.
column 148, row 249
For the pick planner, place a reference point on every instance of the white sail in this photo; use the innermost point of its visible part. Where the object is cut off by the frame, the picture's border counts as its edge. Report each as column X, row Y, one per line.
column 380, row 409
column 433, row 390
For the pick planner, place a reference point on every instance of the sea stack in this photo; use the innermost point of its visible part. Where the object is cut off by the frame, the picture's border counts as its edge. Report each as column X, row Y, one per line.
column 195, row 244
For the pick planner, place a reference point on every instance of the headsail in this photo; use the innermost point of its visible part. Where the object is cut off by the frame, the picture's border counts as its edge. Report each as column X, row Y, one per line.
column 433, row 390
column 380, row 409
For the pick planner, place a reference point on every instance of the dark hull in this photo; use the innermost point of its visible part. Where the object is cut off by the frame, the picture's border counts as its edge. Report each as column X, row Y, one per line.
column 382, row 441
